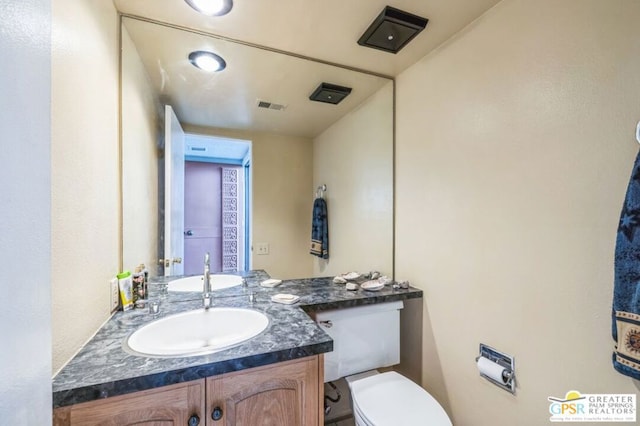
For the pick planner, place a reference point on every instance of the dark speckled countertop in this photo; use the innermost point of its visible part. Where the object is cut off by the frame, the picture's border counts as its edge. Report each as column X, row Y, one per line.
column 102, row 368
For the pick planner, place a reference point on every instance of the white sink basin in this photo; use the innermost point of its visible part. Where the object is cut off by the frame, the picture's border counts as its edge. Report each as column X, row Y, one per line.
column 218, row 282
column 196, row 332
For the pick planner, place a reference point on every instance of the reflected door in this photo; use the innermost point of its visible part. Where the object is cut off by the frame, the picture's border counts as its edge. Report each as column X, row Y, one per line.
column 202, row 216
column 174, row 194
column 214, row 211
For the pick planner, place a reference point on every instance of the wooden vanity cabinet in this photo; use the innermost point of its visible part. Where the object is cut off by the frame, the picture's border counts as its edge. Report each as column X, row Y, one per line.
column 284, row 394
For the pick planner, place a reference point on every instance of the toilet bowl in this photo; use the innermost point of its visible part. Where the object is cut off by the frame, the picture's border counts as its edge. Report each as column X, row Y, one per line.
column 366, row 338
column 390, row 399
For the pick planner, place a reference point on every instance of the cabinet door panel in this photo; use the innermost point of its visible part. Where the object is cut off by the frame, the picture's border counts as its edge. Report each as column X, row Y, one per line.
column 166, row 406
column 278, row 395
column 275, row 402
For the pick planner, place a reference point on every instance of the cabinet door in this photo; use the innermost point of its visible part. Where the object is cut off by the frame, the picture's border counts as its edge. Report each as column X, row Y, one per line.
column 285, row 394
column 171, row 405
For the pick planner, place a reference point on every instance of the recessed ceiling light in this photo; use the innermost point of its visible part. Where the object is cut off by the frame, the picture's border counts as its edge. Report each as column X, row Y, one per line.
column 211, row 7
column 207, row 61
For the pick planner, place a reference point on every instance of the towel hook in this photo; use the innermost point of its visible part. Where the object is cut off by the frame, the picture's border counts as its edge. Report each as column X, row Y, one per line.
column 320, row 191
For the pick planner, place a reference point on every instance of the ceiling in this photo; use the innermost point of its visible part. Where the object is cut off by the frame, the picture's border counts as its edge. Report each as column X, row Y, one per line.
column 224, row 150
column 323, row 30
column 229, row 99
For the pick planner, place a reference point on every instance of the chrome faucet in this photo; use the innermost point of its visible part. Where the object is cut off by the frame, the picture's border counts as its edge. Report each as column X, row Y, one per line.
column 206, row 285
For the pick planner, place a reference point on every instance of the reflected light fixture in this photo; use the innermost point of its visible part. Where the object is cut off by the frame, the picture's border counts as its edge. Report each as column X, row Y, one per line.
column 207, row 61
column 330, row 93
column 211, row 7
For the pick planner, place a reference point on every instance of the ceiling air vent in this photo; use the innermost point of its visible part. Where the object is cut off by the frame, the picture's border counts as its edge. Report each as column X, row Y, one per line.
column 271, row 105
column 392, row 30
column 330, row 93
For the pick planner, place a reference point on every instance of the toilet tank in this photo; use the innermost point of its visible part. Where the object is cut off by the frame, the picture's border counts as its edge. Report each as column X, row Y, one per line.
column 364, row 338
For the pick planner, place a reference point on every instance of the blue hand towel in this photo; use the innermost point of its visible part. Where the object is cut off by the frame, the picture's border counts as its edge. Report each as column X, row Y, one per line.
column 320, row 229
column 626, row 290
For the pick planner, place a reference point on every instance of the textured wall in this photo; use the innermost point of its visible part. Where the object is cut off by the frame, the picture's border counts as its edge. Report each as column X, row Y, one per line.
column 140, row 128
column 354, row 158
column 25, row 167
column 84, row 160
column 515, row 142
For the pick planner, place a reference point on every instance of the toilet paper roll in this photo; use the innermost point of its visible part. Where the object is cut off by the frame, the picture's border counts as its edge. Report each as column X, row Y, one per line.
column 492, row 370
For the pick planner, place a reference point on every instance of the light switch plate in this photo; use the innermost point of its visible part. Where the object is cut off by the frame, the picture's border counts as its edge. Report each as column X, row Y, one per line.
column 114, row 295
column 262, row 248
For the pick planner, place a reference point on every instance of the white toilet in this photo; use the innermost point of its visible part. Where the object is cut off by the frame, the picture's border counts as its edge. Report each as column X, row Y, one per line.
column 366, row 338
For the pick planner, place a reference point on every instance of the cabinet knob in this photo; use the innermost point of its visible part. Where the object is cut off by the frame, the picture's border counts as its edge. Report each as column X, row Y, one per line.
column 216, row 414
column 194, row 420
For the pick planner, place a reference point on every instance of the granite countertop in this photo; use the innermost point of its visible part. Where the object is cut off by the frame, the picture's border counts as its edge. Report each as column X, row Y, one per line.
column 102, row 368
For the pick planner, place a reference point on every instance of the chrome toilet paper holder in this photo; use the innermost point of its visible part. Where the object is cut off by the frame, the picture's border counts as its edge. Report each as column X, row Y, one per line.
column 505, row 361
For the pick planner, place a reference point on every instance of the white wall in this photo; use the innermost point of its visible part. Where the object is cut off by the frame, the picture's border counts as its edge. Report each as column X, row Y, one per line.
column 25, row 357
column 84, row 160
column 515, row 142
column 140, row 128
column 354, row 158
column 281, row 186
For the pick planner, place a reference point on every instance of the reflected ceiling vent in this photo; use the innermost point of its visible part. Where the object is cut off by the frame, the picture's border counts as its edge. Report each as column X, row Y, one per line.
column 271, row 105
column 392, row 30
column 330, row 93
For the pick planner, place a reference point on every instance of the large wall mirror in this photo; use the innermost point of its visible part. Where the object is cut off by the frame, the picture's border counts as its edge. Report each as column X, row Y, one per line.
column 295, row 146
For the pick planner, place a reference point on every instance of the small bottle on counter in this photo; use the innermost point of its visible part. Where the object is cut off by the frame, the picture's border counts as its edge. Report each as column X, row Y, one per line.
column 145, row 272
column 125, row 285
column 139, row 287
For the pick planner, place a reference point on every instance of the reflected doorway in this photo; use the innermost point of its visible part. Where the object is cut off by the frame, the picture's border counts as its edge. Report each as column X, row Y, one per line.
column 217, row 203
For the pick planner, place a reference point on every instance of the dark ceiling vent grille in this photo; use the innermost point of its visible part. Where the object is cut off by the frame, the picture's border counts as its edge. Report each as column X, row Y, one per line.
column 392, row 30
column 271, row 105
column 330, row 93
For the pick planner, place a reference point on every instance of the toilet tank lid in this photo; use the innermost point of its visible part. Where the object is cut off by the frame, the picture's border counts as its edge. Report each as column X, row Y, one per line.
column 359, row 310
column 390, row 399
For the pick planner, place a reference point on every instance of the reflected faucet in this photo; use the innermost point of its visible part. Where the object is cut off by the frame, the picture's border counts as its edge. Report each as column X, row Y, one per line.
column 206, row 285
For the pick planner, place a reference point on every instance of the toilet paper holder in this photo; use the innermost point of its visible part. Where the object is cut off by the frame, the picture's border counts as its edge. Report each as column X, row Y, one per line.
column 507, row 362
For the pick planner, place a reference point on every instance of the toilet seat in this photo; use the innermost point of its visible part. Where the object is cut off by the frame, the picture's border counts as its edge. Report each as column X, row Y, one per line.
column 360, row 419
column 390, row 399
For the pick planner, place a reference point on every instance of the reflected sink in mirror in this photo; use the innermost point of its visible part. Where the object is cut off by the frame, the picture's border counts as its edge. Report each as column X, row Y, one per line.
column 194, row 283
column 198, row 332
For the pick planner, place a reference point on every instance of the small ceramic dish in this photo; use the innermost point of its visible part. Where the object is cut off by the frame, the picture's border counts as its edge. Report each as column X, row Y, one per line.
column 373, row 285
column 339, row 280
column 287, row 299
column 351, row 276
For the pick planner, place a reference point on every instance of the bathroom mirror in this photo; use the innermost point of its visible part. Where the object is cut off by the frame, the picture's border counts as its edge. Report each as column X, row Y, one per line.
column 296, row 146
